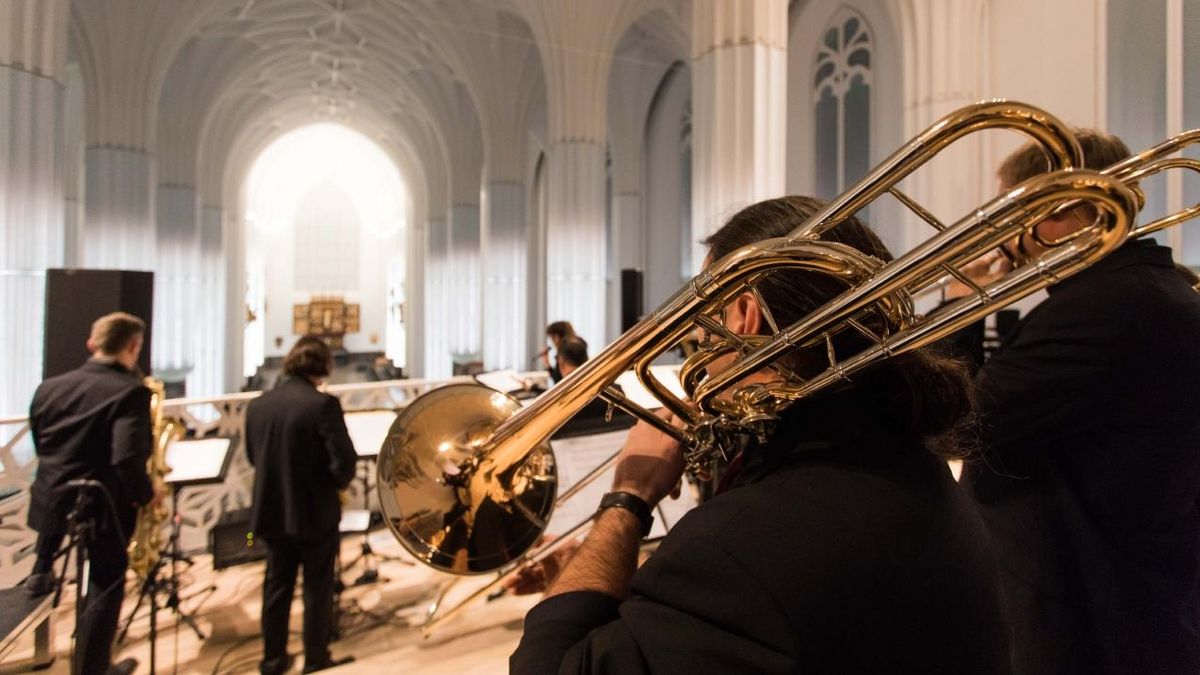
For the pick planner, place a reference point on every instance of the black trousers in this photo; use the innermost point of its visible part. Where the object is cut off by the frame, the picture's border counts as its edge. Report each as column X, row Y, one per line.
column 284, row 556
column 97, row 627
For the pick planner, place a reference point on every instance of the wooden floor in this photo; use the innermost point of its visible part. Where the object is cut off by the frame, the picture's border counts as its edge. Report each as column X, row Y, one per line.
column 375, row 624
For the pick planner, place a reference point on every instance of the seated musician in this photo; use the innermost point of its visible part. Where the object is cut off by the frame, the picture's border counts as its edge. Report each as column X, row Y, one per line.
column 595, row 416
column 841, row 544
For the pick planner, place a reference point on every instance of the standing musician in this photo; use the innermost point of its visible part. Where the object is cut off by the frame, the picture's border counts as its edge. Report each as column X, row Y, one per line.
column 842, row 544
column 296, row 439
column 556, row 332
column 1090, row 483
column 93, row 423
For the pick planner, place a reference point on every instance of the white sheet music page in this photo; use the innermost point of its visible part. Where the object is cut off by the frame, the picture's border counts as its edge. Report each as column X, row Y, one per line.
column 367, row 430
column 576, row 457
column 193, row 460
column 501, row 380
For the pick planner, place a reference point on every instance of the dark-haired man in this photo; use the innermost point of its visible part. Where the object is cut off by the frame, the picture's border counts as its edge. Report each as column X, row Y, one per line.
column 93, row 423
column 1091, row 472
column 296, row 439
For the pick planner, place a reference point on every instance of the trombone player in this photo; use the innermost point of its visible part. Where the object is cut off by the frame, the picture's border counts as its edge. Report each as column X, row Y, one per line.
column 1090, row 479
column 841, row 544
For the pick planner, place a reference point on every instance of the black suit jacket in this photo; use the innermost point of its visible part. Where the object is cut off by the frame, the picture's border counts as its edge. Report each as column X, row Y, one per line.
column 296, row 439
column 842, row 549
column 1091, row 475
column 92, row 422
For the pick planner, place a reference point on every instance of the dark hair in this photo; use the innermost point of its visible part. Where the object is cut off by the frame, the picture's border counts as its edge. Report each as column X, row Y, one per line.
column 1100, row 151
column 309, row 357
column 561, row 330
column 928, row 394
column 573, row 350
column 112, row 333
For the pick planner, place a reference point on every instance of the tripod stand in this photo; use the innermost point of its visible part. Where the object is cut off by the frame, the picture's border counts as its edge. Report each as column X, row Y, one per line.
column 82, row 532
column 367, row 555
column 155, row 583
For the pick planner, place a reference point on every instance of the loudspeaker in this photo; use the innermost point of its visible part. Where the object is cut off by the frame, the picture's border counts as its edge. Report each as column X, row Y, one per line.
column 232, row 542
column 631, row 298
column 76, row 298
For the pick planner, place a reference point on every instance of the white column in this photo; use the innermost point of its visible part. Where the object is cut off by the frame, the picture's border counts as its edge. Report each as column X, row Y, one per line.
column 206, row 377
column 944, row 46
column 119, row 229
column 576, row 245
column 176, row 282
column 463, row 288
column 438, row 310
column 32, row 50
column 504, row 268
column 739, row 108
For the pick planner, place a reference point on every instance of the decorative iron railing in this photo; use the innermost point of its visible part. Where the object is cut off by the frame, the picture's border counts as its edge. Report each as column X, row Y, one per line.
column 201, row 505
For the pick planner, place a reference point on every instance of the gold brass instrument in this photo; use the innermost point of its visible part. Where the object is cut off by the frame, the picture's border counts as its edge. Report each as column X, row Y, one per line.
column 146, row 543
column 466, row 477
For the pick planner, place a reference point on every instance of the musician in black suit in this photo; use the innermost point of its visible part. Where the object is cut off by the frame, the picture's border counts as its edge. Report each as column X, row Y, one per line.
column 93, row 423
column 1090, row 480
column 841, row 545
column 296, row 439
column 556, row 333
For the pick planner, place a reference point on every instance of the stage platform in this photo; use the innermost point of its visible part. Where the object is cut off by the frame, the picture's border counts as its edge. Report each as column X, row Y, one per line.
column 374, row 623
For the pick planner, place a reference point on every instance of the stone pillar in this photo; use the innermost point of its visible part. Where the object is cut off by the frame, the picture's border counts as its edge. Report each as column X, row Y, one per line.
column 438, row 310
column 33, row 38
column 207, row 376
column 119, row 230
column 176, row 282
column 943, row 65
column 739, row 108
column 576, row 41
column 504, row 268
column 462, row 279
column 576, row 244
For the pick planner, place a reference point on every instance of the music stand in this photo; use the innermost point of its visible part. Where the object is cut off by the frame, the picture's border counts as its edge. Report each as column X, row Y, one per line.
column 193, row 462
column 368, row 429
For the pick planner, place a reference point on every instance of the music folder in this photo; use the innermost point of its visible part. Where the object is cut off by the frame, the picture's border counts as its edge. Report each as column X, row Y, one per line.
column 198, row 461
column 504, row 381
column 368, row 429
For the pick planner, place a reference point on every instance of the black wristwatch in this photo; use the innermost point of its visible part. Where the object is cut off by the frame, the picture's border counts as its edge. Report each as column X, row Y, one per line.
column 632, row 503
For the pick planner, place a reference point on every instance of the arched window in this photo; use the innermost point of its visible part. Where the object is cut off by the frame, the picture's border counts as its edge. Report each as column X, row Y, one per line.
column 842, row 100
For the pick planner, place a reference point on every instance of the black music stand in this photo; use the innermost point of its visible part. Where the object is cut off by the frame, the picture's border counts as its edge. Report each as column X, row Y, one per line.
column 367, row 429
column 192, row 462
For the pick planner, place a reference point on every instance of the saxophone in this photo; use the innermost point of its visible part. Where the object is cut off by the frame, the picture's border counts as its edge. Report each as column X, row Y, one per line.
column 146, row 543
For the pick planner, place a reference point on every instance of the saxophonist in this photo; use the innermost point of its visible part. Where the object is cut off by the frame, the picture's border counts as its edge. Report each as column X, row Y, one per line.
column 93, row 423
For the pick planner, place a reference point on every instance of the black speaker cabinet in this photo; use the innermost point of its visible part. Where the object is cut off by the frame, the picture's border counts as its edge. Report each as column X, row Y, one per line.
column 76, row 298
column 631, row 298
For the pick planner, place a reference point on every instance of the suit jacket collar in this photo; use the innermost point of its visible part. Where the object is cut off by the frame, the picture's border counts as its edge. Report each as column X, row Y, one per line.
column 95, row 365
column 1144, row 251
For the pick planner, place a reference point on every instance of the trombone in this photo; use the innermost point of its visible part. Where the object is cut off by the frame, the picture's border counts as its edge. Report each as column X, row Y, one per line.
column 466, row 476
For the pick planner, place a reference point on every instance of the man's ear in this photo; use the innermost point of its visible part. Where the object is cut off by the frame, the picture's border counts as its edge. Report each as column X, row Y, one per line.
column 748, row 315
column 91, row 346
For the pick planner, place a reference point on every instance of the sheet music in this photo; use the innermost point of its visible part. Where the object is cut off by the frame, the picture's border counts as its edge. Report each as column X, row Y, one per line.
column 575, row 457
column 196, row 460
column 501, row 380
column 367, row 430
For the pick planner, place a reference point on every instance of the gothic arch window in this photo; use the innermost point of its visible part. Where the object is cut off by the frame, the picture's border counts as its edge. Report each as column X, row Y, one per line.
column 842, row 103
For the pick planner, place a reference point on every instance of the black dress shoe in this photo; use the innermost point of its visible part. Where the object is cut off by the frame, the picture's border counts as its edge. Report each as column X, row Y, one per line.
column 332, row 663
column 277, row 668
column 123, row 667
